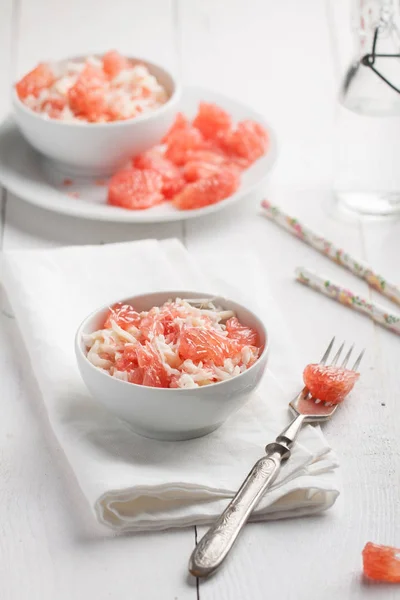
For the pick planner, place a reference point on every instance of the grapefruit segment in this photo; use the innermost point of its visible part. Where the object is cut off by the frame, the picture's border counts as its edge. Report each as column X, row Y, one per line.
column 329, row 384
column 154, row 160
column 248, row 141
column 212, row 120
column 206, row 345
column 114, row 63
column 196, row 169
column 180, row 123
column 381, row 563
column 181, row 142
column 123, row 315
column 87, row 96
column 135, row 189
column 245, row 336
column 208, row 191
column 155, row 374
column 35, row 81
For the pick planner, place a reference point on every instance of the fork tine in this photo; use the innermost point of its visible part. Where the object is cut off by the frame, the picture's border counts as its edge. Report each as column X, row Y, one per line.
column 357, row 363
column 337, row 355
column 347, row 357
column 327, row 352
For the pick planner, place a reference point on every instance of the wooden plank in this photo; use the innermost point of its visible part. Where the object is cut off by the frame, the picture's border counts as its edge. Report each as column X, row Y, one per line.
column 320, row 556
column 47, row 531
column 50, row 544
column 7, row 20
column 364, row 433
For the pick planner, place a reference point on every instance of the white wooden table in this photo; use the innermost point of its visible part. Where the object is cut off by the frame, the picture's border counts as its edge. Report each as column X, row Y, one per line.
column 278, row 57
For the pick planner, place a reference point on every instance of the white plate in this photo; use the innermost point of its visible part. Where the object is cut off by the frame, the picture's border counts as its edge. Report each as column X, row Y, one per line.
column 27, row 174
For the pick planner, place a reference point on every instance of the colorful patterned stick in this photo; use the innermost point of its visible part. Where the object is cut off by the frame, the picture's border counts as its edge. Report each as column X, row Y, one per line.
column 328, row 249
column 325, row 286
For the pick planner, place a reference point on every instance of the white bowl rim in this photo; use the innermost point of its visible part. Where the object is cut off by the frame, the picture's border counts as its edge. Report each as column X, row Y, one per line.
column 176, row 93
column 78, row 339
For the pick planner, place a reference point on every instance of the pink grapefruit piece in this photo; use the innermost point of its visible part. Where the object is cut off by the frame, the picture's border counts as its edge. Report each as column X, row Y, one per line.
column 181, row 142
column 173, row 182
column 87, row 96
column 114, row 63
column 248, row 141
column 155, row 374
column 206, row 345
column 329, row 384
column 208, row 191
column 195, row 170
column 212, row 120
column 135, row 189
column 123, row 315
column 381, row 563
column 40, row 78
column 180, row 123
column 246, row 336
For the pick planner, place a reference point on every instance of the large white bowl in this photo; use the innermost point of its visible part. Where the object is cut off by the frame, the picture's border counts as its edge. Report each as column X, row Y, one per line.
column 171, row 414
column 80, row 148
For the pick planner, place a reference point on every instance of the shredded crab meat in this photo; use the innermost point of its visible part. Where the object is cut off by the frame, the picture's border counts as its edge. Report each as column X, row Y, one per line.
column 160, row 334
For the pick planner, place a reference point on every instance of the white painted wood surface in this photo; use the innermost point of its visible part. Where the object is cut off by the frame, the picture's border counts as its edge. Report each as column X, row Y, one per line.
column 278, row 57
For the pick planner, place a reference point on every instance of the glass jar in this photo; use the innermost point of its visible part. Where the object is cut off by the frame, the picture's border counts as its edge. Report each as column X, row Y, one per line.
column 367, row 137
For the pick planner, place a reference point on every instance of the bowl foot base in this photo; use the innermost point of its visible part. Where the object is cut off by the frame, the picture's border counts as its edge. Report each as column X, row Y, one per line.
column 175, row 436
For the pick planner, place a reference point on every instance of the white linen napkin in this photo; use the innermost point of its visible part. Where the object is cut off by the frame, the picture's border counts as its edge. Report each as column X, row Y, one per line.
column 134, row 483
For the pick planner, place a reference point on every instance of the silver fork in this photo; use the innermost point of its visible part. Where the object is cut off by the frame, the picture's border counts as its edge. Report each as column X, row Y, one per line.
column 214, row 546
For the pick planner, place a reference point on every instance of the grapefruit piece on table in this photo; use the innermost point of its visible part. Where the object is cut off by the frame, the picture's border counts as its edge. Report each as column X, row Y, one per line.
column 329, row 384
column 208, row 191
column 40, row 78
column 381, row 563
column 135, row 189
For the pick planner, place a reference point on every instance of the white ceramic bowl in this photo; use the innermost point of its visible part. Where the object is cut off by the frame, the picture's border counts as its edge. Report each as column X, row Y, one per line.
column 98, row 148
column 171, row 414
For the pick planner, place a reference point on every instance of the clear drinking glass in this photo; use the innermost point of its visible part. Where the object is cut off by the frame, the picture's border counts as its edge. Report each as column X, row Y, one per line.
column 367, row 144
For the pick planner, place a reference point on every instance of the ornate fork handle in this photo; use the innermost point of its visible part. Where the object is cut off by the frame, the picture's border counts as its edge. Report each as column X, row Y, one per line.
column 219, row 539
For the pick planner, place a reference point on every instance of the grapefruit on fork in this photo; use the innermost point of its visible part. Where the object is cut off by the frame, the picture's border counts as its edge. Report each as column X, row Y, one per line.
column 329, row 383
